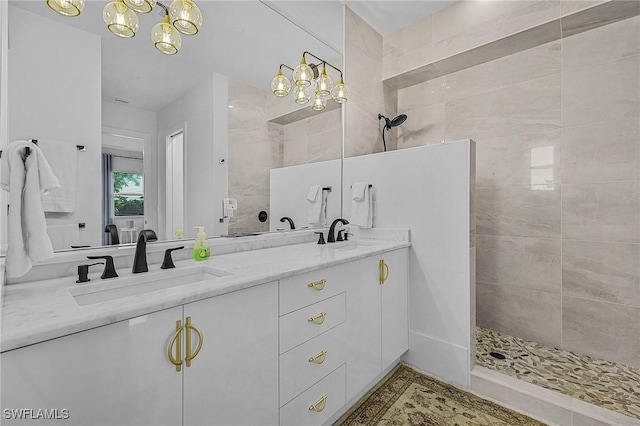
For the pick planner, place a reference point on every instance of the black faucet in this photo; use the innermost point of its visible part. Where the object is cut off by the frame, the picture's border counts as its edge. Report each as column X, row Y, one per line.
column 332, row 238
column 290, row 221
column 140, row 258
column 109, row 268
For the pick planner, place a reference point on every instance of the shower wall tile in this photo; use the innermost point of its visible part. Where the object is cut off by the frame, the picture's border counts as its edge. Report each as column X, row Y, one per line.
column 427, row 93
column 530, row 106
column 295, row 143
column 523, row 211
column 410, row 40
column 573, row 6
column 532, row 263
column 362, row 128
column 364, row 74
column 608, row 272
column 528, row 314
column 602, row 92
column 602, row 44
column 601, row 152
column 246, row 218
column 602, row 211
column 526, row 159
column 603, row 330
column 362, row 35
column 424, row 126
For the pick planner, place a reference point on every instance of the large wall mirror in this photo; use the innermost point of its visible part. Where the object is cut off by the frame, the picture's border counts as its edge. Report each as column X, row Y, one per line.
column 166, row 137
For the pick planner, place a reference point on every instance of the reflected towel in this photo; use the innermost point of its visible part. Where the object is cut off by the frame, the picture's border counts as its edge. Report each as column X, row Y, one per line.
column 361, row 209
column 64, row 236
column 317, row 210
column 313, row 193
column 62, row 156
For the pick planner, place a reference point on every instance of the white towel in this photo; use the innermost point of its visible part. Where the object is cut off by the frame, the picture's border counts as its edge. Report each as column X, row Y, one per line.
column 64, row 236
column 313, row 193
column 317, row 210
column 361, row 210
column 63, row 158
column 26, row 180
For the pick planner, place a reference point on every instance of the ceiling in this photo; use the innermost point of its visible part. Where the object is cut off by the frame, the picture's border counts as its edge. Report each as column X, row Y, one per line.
column 245, row 40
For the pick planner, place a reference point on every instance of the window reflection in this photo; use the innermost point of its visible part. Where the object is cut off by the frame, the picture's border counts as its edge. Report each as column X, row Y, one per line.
column 542, row 168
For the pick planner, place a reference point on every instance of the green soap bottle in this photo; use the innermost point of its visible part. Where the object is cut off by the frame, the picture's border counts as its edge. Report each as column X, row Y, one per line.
column 201, row 250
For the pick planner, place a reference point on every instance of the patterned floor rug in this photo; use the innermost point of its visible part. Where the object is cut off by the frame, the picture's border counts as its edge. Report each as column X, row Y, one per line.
column 407, row 397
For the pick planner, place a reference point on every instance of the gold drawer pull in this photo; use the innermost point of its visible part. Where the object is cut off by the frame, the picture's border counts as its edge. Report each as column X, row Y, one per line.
column 318, row 319
column 190, row 355
column 177, row 338
column 384, row 271
column 319, row 357
column 319, row 405
column 317, row 285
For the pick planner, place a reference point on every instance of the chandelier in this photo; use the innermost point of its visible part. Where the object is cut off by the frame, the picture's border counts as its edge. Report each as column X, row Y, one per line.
column 308, row 78
column 182, row 16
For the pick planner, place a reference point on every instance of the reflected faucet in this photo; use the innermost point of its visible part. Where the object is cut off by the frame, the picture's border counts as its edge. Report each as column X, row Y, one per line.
column 290, row 221
column 140, row 258
column 332, row 238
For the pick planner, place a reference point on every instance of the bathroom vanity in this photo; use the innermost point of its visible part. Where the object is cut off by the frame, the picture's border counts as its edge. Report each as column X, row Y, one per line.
column 281, row 335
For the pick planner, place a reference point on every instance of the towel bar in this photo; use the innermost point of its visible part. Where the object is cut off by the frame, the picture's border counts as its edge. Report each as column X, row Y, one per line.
column 370, row 186
column 27, row 151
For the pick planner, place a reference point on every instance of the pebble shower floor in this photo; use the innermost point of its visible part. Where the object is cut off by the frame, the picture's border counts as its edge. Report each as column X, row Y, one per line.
column 603, row 383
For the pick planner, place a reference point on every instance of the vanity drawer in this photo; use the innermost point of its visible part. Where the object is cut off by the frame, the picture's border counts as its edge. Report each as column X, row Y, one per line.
column 327, row 396
column 304, row 324
column 306, row 289
column 308, row 363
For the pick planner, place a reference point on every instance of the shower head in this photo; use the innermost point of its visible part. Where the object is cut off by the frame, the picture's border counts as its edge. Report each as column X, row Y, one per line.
column 392, row 123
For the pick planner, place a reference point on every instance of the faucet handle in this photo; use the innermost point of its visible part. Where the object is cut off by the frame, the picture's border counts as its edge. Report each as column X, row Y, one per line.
column 321, row 238
column 340, row 235
column 167, row 263
column 83, row 272
column 109, row 268
column 346, row 235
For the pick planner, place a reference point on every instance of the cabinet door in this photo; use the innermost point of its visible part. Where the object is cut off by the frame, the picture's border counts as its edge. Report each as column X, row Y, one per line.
column 363, row 325
column 233, row 380
column 118, row 374
column 395, row 320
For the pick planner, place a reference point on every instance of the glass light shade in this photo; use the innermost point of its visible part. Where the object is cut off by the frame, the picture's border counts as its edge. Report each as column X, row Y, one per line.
column 185, row 16
column 340, row 92
column 280, row 85
column 325, row 84
column 319, row 103
column 140, row 6
column 67, row 7
column 303, row 74
column 301, row 95
column 166, row 38
column 120, row 20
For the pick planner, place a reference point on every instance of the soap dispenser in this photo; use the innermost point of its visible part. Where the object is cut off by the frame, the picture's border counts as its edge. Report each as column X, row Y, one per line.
column 201, row 250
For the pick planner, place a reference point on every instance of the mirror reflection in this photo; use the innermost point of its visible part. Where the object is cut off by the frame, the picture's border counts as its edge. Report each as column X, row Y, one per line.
column 168, row 138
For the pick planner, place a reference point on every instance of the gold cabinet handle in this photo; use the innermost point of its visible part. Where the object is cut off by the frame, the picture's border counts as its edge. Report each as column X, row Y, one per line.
column 319, row 357
column 383, row 271
column 319, row 405
column 318, row 319
column 317, row 285
column 190, row 355
column 177, row 338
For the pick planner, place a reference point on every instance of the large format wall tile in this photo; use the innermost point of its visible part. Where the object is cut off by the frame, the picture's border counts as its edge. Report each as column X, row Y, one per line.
column 607, row 272
column 530, row 106
column 602, row 211
column 528, row 314
column 602, row 92
column 532, row 263
column 603, row 330
column 427, row 93
column 518, row 211
column 601, row 152
column 424, row 126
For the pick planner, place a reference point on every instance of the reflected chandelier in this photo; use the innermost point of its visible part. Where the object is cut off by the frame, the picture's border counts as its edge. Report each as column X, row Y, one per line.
column 182, row 16
column 305, row 76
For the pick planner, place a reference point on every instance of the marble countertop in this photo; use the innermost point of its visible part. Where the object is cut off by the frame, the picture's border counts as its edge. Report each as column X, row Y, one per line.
column 41, row 310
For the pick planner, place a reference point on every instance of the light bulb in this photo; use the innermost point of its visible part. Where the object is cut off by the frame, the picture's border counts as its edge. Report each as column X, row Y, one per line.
column 166, row 38
column 325, row 84
column 319, row 103
column 185, row 16
column 340, row 92
column 67, row 7
column 301, row 95
column 120, row 20
column 140, row 6
column 280, row 85
column 303, row 74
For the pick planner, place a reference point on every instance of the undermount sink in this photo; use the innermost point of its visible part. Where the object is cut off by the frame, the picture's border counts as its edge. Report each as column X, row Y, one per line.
column 104, row 290
column 350, row 245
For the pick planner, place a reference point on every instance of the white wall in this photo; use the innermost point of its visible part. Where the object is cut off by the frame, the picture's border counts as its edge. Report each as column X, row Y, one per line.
column 202, row 114
column 428, row 190
column 43, row 105
column 289, row 188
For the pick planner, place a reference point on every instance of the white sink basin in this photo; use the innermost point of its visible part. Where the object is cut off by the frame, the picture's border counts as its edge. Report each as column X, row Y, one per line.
column 350, row 245
column 98, row 291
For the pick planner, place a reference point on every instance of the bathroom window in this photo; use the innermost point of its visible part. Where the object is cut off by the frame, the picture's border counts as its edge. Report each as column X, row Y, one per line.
column 128, row 194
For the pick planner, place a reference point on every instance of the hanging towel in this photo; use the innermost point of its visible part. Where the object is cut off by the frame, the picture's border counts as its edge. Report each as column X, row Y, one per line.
column 64, row 236
column 62, row 156
column 361, row 206
column 313, row 193
column 317, row 209
column 26, row 179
